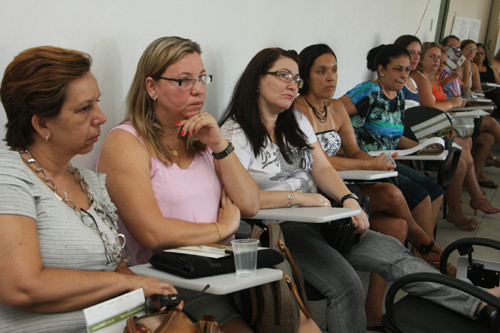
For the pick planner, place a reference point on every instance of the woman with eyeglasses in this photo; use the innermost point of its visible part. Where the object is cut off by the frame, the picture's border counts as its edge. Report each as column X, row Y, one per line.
column 469, row 48
column 170, row 171
column 279, row 148
column 61, row 250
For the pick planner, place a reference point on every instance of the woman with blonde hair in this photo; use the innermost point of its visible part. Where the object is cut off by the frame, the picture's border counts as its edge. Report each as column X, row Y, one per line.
column 172, row 173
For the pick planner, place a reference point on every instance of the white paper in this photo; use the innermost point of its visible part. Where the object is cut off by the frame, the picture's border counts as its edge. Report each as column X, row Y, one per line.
column 466, row 28
column 111, row 316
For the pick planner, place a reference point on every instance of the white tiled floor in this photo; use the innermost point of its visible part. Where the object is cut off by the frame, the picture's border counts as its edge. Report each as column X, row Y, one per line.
column 489, row 226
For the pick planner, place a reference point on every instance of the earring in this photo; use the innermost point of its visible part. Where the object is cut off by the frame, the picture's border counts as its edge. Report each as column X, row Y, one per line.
column 382, row 75
column 258, row 90
column 46, row 138
column 153, row 97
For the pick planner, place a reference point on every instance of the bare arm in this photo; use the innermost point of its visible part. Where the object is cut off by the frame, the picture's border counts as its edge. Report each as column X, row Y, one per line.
column 126, row 162
column 451, row 77
column 405, row 143
column 25, row 282
column 476, row 79
column 465, row 76
column 426, row 97
column 331, row 184
column 356, row 158
column 238, row 183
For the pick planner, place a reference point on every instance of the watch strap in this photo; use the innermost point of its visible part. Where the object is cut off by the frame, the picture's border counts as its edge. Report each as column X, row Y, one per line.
column 229, row 149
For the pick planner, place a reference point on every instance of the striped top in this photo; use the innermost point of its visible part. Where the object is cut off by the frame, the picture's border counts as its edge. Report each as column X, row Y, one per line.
column 65, row 242
column 378, row 123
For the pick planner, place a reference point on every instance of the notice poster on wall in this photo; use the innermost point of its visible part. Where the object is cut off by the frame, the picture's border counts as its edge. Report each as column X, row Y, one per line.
column 466, row 28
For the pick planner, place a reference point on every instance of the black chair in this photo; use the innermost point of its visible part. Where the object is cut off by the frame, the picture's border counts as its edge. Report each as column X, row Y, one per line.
column 414, row 314
column 481, row 273
column 444, row 170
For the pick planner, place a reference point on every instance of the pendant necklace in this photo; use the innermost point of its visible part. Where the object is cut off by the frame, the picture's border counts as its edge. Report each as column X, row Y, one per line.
column 174, row 150
column 320, row 114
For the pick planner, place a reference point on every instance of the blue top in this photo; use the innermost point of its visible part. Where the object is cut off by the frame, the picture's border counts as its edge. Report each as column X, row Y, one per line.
column 379, row 122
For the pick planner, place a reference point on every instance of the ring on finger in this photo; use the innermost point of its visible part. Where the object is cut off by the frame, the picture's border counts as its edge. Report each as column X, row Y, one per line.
column 200, row 116
column 325, row 203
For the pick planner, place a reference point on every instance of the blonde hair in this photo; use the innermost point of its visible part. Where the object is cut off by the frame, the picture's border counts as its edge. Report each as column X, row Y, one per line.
column 160, row 54
column 426, row 47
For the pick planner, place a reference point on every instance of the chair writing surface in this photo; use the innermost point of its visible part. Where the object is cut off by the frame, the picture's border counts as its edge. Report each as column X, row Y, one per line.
column 366, row 174
column 218, row 284
column 306, row 214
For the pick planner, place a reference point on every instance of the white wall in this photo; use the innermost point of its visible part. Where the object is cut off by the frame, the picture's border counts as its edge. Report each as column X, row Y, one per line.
column 230, row 32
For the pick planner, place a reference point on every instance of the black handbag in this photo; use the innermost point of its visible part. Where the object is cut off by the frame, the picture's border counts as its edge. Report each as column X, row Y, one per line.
column 340, row 233
column 192, row 266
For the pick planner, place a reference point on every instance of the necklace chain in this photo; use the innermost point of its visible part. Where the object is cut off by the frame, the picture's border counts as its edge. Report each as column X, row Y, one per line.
column 322, row 115
column 175, row 150
column 113, row 249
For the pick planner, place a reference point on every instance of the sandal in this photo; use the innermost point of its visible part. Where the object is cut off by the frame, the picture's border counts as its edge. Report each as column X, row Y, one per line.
column 483, row 205
column 487, row 184
column 492, row 161
column 471, row 225
column 431, row 253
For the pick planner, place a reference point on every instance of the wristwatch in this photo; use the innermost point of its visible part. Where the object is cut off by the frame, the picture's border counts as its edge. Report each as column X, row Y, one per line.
column 348, row 196
column 229, row 149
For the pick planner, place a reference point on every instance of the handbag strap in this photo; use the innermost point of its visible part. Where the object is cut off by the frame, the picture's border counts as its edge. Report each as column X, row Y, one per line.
column 295, row 292
column 300, row 291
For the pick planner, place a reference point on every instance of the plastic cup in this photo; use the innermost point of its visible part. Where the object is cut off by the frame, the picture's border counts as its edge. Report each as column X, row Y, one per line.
column 245, row 257
column 388, row 158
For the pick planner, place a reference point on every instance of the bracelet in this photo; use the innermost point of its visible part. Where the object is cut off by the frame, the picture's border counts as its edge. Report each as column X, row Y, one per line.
column 220, row 231
column 348, row 196
column 290, row 198
column 229, row 149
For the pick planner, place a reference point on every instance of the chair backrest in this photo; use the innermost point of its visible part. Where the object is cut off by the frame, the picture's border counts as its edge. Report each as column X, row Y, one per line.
column 424, row 121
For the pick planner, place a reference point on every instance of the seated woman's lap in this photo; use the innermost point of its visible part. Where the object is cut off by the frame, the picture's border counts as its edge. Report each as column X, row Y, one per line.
column 416, row 186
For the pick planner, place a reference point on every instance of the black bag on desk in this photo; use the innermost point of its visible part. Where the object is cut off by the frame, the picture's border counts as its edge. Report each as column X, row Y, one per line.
column 192, row 266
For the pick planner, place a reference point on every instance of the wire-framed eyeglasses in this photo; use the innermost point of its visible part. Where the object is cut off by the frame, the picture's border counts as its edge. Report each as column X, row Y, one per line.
column 287, row 77
column 189, row 82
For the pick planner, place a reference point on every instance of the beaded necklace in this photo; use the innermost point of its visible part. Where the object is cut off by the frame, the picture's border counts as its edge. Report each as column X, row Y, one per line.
column 113, row 249
column 322, row 115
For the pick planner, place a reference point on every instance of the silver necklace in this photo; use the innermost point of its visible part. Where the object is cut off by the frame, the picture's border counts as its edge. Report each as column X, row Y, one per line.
column 113, row 249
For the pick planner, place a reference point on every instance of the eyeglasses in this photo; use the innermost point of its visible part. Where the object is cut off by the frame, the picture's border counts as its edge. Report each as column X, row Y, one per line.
column 470, row 48
column 287, row 77
column 189, row 82
column 480, row 53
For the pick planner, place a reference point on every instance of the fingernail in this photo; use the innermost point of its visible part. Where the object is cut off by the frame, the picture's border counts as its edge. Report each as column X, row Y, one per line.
column 194, row 131
column 189, row 134
column 178, row 123
column 182, row 133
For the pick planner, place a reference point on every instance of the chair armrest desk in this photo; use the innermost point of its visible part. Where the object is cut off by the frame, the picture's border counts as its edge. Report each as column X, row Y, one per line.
column 218, row 284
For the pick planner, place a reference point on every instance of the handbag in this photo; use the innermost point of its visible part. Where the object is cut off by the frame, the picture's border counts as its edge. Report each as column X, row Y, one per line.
column 340, row 233
column 171, row 322
column 465, row 126
column 193, row 266
column 274, row 307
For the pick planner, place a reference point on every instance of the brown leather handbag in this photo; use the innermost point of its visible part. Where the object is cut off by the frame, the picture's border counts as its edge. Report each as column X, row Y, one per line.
column 170, row 322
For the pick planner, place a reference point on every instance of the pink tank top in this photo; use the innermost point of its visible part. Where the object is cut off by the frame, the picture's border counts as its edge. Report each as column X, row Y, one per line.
column 191, row 194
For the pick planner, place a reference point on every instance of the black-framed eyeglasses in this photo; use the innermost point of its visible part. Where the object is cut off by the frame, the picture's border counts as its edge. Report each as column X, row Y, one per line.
column 287, row 77
column 189, row 82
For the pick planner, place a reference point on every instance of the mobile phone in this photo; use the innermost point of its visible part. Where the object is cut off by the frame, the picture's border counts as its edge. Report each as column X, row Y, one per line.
column 157, row 302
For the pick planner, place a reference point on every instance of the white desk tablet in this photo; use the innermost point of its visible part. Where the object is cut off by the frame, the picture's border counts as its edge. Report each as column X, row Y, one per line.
column 306, row 214
column 366, row 174
column 218, row 284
